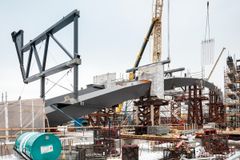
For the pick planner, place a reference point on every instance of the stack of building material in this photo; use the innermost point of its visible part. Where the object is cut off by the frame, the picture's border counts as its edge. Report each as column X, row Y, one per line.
column 105, row 137
column 108, row 144
column 82, row 154
column 210, row 125
column 215, row 144
column 130, row 152
column 99, row 148
column 88, row 152
column 140, row 130
column 109, row 132
column 108, row 80
column 158, row 130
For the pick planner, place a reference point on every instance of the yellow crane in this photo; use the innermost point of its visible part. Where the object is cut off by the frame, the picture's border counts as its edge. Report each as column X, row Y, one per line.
column 157, row 32
column 155, row 29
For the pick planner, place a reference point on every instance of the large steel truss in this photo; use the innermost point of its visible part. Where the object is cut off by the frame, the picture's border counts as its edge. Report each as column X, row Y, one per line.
column 30, row 50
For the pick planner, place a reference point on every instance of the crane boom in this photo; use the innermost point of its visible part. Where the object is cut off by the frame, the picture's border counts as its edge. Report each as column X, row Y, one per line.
column 157, row 32
column 139, row 56
column 220, row 55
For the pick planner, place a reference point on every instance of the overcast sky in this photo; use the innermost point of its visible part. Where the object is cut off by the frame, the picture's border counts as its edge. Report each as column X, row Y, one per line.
column 110, row 35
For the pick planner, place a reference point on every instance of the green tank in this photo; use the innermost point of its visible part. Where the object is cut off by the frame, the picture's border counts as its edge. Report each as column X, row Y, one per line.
column 38, row 146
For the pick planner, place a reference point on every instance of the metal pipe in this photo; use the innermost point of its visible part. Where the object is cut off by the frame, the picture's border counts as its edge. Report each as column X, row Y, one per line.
column 174, row 70
column 136, row 68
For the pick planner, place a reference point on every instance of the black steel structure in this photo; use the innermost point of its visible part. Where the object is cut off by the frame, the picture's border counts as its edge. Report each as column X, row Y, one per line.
column 194, row 97
column 171, row 83
column 67, row 107
column 61, row 109
column 30, row 49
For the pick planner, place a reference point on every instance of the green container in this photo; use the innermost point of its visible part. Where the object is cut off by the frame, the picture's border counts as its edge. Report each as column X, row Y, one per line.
column 39, row 146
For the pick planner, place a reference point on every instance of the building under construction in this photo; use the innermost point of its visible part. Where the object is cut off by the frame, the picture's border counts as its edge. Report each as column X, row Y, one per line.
column 151, row 113
column 231, row 82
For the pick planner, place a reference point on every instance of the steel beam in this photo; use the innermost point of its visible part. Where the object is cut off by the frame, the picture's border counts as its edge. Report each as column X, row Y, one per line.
column 42, row 92
column 54, row 70
column 17, row 38
column 37, row 58
column 94, row 101
column 75, row 52
column 53, row 29
column 61, row 46
column 136, row 68
column 171, row 83
column 29, row 62
column 45, row 54
column 170, row 72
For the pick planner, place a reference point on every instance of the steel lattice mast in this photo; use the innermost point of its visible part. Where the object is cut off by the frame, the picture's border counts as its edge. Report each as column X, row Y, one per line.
column 157, row 32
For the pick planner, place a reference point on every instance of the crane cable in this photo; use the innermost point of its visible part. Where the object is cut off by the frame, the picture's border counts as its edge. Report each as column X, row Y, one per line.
column 168, row 25
column 49, row 80
column 54, row 59
column 206, row 39
column 57, row 83
column 65, row 114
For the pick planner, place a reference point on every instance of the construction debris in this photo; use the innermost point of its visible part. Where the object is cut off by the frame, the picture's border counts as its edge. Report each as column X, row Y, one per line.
column 130, row 152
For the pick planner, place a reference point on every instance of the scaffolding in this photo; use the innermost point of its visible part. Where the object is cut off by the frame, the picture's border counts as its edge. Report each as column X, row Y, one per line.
column 232, row 94
column 16, row 115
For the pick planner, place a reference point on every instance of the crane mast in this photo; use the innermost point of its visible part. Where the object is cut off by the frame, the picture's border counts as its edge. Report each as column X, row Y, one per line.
column 157, row 31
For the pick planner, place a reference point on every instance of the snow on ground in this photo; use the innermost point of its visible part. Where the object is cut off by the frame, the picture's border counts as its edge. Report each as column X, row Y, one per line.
column 9, row 157
column 146, row 152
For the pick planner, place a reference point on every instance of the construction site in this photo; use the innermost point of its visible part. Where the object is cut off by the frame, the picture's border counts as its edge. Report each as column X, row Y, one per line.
column 153, row 111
